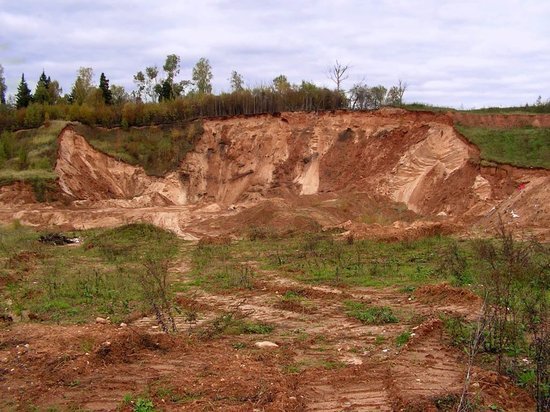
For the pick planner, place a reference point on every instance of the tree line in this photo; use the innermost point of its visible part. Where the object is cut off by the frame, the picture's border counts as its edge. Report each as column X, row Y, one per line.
column 162, row 96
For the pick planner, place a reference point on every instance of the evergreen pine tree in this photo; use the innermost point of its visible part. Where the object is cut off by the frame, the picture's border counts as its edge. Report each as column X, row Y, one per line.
column 23, row 97
column 105, row 91
column 42, row 94
column 3, row 87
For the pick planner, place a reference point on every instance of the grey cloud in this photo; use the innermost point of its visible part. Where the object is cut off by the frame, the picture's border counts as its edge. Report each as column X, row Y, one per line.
column 449, row 52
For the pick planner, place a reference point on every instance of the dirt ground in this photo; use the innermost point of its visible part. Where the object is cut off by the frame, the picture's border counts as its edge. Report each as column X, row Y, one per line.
column 323, row 361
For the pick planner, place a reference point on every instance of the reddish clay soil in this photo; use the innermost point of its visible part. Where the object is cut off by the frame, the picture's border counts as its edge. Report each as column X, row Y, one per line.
column 389, row 173
column 325, row 360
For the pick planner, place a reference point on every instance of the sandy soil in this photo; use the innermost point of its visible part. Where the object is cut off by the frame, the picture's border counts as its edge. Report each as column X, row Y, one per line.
column 302, row 170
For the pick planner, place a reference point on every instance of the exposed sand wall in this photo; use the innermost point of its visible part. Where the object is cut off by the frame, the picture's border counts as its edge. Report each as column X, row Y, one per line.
column 416, row 158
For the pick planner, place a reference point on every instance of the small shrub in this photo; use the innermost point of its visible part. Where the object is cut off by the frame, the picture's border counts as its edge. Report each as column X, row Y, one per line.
column 403, row 338
column 459, row 330
column 370, row 315
column 379, row 340
column 257, row 328
column 156, row 291
column 447, row 403
column 260, row 233
column 454, row 264
column 144, row 405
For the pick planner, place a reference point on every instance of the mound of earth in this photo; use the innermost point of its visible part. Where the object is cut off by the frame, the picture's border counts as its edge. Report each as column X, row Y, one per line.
column 444, row 293
column 313, row 170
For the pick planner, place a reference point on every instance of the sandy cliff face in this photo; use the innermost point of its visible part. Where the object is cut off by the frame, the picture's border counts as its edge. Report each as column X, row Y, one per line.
column 319, row 167
column 86, row 174
column 405, row 156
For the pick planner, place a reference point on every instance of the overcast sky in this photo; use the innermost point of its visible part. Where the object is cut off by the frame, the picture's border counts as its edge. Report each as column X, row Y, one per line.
column 455, row 53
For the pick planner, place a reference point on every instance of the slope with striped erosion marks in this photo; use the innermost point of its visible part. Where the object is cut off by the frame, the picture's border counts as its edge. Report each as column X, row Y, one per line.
column 388, row 167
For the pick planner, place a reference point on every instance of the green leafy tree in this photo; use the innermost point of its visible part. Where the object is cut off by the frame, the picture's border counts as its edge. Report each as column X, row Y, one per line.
column 23, row 97
column 82, row 86
column 172, row 66
column 376, row 96
column 164, row 90
column 119, row 94
column 3, row 87
column 395, row 94
column 105, row 91
column 139, row 80
column 281, row 84
column 152, row 86
column 168, row 89
column 202, row 76
column 55, row 91
column 151, row 80
column 236, row 81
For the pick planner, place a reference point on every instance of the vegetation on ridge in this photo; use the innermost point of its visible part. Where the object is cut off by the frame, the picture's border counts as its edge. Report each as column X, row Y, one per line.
column 158, row 149
column 526, row 146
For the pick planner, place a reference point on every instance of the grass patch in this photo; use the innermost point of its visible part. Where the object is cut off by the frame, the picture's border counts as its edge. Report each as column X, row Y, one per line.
column 29, row 156
column 299, row 366
column 32, row 149
column 293, row 300
column 527, row 147
column 217, row 267
column 370, row 315
column 158, row 149
column 320, row 259
column 75, row 284
column 233, row 323
column 403, row 338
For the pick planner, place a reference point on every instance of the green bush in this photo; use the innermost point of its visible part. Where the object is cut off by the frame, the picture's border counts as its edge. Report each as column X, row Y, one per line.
column 370, row 315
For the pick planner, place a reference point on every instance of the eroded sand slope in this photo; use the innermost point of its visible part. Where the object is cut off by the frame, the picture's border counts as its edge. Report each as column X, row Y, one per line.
column 298, row 161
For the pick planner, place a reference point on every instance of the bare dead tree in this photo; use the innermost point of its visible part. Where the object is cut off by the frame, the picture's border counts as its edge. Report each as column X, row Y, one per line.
column 338, row 73
column 155, row 288
column 476, row 341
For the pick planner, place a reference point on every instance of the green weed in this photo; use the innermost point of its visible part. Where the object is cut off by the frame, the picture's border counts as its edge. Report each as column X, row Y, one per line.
column 232, row 323
column 144, row 405
column 403, row 338
column 370, row 315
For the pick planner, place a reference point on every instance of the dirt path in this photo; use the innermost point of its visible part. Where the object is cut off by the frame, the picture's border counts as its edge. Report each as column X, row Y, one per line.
column 370, row 372
column 324, row 361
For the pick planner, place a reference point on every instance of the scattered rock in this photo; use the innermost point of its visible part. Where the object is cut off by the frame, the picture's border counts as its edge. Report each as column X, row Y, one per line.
column 123, row 325
column 266, row 344
column 102, row 321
